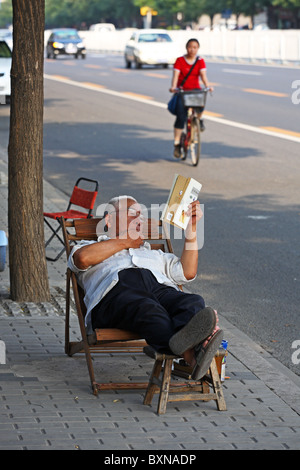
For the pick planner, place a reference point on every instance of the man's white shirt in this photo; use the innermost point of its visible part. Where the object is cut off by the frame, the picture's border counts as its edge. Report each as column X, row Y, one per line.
column 99, row 279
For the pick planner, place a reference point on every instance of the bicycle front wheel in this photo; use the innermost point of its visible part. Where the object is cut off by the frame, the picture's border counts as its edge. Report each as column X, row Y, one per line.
column 195, row 143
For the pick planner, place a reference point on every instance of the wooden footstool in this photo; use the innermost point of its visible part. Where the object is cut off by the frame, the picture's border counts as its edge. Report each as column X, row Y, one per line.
column 189, row 390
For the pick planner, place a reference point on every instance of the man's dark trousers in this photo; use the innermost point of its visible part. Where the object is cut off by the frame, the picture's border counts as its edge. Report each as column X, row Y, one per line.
column 141, row 304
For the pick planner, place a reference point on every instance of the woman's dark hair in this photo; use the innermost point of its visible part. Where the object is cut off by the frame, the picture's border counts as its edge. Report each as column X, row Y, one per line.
column 192, row 40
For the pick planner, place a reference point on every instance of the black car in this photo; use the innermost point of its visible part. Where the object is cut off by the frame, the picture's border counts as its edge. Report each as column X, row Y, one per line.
column 65, row 42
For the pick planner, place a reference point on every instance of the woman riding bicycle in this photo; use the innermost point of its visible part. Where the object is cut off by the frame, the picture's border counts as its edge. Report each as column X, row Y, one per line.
column 182, row 67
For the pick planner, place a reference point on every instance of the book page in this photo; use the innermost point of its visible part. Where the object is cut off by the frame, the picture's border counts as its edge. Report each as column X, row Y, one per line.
column 183, row 192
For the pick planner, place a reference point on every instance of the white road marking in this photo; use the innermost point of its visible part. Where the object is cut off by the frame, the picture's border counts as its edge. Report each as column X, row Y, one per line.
column 259, row 217
column 243, row 72
column 158, row 104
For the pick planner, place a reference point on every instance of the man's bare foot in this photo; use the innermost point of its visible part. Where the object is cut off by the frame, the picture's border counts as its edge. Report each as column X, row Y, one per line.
column 189, row 357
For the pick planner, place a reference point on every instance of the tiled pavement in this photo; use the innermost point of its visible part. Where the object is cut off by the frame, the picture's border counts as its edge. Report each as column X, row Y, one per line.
column 46, row 400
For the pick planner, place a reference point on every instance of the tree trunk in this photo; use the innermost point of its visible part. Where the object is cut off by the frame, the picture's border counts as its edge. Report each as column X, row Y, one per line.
column 28, row 268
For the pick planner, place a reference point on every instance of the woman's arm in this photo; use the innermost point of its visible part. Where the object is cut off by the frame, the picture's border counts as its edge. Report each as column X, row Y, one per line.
column 204, row 79
column 174, row 83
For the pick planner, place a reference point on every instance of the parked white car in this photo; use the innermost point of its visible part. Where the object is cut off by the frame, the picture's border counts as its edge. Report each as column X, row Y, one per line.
column 5, row 66
column 102, row 27
column 7, row 36
column 150, row 47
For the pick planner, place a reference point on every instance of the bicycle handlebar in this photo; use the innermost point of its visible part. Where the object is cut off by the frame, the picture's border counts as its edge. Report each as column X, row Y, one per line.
column 181, row 90
column 203, row 90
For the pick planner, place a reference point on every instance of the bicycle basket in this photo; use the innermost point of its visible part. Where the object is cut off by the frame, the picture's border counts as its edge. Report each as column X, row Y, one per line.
column 194, row 98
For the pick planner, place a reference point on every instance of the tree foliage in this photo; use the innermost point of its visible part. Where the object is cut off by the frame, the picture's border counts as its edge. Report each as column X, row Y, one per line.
column 6, row 14
column 78, row 13
column 291, row 4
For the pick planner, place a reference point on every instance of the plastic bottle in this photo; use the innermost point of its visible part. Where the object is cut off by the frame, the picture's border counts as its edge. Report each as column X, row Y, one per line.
column 224, row 346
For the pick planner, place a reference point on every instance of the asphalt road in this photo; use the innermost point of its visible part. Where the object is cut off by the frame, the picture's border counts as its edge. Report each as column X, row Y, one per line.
column 102, row 120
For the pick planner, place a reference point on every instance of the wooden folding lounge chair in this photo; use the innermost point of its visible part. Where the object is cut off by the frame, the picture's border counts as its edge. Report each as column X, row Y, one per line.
column 105, row 340
column 113, row 340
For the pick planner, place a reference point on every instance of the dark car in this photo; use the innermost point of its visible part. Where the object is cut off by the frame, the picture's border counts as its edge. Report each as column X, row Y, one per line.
column 65, row 42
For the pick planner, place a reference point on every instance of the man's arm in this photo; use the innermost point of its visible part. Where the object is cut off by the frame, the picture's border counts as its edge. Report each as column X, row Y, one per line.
column 189, row 256
column 89, row 255
column 95, row 253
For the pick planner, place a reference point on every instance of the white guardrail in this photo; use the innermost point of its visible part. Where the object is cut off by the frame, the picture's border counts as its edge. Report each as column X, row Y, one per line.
column 269, row 46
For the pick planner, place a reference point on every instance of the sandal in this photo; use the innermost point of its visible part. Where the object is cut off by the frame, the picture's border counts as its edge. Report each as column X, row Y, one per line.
column 205, row 354
column 194, row 332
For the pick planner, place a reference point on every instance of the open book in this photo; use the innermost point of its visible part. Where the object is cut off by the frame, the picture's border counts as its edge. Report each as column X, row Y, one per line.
column 183, row 192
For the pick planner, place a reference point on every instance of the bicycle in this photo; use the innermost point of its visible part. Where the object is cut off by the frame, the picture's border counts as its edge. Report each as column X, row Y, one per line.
column 190, row 141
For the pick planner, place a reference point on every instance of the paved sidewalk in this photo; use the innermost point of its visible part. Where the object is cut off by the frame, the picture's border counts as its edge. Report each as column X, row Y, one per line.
column 46, row 400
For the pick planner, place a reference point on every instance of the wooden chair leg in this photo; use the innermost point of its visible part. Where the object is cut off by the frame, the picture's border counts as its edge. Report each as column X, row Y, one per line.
column 67, row 322
column 217, row 386
column 89, row 362
column 165, row 385
column 153, row 382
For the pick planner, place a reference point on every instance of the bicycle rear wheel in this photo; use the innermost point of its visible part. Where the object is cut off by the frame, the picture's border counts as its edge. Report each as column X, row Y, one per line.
column 195, row 143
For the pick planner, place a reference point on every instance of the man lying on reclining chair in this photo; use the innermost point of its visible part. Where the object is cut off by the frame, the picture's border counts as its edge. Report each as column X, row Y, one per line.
column 129, row 286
